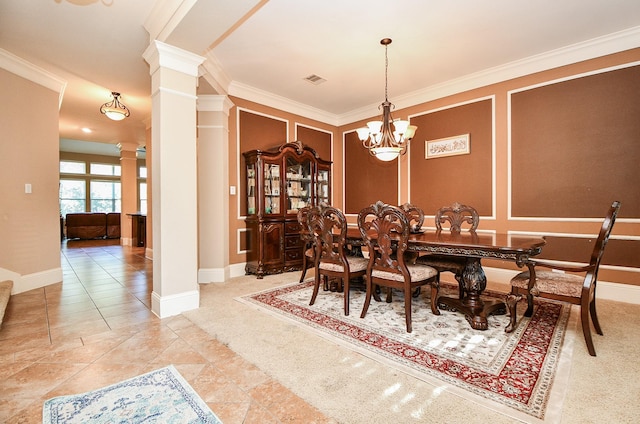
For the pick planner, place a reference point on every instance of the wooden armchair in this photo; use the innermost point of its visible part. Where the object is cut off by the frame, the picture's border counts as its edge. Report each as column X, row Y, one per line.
column 328, row 227
column 572, row 288
column 459, row 217
column 385, row 229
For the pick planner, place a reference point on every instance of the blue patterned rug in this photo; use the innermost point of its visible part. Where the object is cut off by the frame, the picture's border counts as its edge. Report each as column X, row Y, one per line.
column 161, row 396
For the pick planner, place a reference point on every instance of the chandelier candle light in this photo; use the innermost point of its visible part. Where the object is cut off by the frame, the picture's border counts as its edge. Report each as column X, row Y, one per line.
column 114, row 109
column 378, row 137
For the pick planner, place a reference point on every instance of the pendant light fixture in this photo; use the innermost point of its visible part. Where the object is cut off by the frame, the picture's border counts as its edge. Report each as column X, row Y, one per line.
column 114, row 109
column 378, row 137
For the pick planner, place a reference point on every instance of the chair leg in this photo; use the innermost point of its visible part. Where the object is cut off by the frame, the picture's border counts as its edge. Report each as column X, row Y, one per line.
column 586, row 329
column 435, row 288
column 316, row 286
column 529, row 311
column 512, row 304
column 586, row 326
column 594, row 316
column 407, row 308
column 367, row 299
column 304, row 268
column 345, row 285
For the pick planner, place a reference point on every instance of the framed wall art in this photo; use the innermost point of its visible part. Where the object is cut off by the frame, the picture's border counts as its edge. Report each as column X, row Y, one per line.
column 450, row 146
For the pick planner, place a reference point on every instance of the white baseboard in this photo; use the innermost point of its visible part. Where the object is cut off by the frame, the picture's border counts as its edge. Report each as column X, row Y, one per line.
column 212, row 275
column 237, row 270
column 23, row 283
column 168, row 306
column 220, row 275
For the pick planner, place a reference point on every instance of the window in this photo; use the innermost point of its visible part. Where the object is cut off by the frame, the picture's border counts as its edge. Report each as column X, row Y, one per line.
column 105, row 196
column 105, row 169
column 72, row 196
column 87, row 186
column 70, row 167
column 142, row 191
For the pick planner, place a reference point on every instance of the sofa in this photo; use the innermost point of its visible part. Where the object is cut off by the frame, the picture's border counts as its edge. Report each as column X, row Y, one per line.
column 93, row 225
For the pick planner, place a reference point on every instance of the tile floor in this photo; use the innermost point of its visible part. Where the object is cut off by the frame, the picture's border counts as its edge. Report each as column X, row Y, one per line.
column 95, row 329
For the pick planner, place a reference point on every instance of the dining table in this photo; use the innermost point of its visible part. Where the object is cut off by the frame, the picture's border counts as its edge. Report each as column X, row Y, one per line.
column 473, row 246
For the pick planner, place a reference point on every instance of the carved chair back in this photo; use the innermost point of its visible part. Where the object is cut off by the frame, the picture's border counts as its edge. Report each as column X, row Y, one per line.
column 385, row 230
column 457, row 215
column 601, row 242
column 415, row 216
column 328, row 227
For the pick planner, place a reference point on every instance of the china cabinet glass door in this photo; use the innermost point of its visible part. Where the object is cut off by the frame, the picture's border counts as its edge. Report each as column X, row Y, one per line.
column 299, row 177
column 322, row 187
column 272, row 188
column 251, row 189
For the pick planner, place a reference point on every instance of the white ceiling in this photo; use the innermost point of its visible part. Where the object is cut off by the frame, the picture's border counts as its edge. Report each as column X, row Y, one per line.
column 263, row 49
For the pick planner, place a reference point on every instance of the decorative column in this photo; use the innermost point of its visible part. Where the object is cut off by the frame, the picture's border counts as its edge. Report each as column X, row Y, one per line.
column 129, row 188
column 213, row 187
column 174, row 77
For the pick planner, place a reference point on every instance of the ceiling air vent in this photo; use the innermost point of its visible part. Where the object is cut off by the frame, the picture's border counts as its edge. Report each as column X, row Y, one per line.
column 315, row 79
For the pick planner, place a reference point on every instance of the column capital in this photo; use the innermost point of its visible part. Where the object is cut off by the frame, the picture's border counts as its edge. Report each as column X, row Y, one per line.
column 214, row 103
column 128, row 146
column 160, row 54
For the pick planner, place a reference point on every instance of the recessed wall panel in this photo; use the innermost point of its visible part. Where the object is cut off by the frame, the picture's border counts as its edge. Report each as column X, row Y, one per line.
column 366, row 179
column 575, row 147
column 463, row 178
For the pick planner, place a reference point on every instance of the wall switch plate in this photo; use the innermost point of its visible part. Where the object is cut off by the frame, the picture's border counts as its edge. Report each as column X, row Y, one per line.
column 232, row 190
column 27, row 188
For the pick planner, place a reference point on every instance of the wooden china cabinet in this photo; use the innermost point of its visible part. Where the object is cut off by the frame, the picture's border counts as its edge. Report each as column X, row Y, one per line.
column 279, row 182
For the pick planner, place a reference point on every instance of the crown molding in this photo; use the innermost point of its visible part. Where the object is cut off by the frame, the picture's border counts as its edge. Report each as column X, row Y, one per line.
column 591, row 49
column 33, row 73
column 282, row 103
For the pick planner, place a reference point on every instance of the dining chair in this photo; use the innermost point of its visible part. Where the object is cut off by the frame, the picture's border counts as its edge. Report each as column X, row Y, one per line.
column 415, row 215
column 459, row 217
column 570, row 285
column 385, row 230
column 328, row 227
column 308, row 257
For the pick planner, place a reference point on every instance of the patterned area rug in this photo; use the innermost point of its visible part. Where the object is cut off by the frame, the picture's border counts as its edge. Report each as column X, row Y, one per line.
column 161, row 396
column 514, row 373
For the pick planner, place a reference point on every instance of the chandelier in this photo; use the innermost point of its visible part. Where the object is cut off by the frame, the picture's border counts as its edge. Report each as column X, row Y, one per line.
column 114, row 109
column 383, row 142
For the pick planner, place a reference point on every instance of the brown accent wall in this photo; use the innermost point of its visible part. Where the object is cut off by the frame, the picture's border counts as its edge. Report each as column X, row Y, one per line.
column 575, row 146
column 366, row 179
column 465, row 178
column 320, row 141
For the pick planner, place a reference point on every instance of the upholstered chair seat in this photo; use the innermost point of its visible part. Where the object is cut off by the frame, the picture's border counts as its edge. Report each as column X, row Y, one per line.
column 355, row 264
column 551, row 282
column 416, row 272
